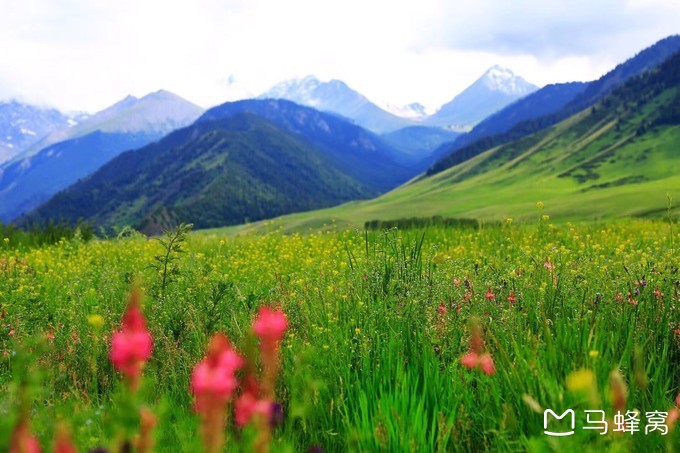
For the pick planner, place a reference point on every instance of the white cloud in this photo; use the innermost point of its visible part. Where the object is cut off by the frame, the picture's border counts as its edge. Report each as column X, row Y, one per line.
column 82, row 54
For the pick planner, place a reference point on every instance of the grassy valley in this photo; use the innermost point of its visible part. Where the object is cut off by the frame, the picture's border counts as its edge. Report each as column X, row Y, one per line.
column 549, row 285
column 619, row 158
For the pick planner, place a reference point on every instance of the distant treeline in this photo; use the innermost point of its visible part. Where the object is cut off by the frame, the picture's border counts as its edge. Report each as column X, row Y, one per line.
column 422, row 222
column 39, row 234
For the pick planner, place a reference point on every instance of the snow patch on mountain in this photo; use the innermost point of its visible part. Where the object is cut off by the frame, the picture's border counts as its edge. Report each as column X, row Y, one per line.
column 495, row 89
column 505, row 81
column 414, row 111
column 335, row 96
column 23, row 125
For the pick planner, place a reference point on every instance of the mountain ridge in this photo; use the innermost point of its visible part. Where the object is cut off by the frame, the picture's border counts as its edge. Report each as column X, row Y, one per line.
column 224, row 171
column 130, row 123
column 617, row 158
column 356, row 150
column 22, row 125
column 337, row 97
column 464, row 148
column 495, row 89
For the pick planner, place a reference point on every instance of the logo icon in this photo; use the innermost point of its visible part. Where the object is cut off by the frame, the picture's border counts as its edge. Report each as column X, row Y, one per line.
column 569, row 412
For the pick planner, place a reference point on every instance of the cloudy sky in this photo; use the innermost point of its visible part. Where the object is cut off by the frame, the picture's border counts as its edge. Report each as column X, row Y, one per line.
column 87, row 54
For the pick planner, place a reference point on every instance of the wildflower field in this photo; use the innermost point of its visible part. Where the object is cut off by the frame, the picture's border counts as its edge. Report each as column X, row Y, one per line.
column 437, row 339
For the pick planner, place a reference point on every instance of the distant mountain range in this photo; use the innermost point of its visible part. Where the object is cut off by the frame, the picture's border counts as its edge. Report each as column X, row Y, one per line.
column 619, row 157
column 494, row 90
column 497, row 88
column 22, row 125
column 336, row 97
column 239, row 162
column 75, row 152
column 414, row 111
column 542, row 102
column 254, row 159
column 548, row 106
column 411, row 128
column 357, row 151
column 156, row 113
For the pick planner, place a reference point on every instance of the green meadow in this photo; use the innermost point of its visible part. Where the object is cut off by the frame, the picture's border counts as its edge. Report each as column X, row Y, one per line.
column 580, row 316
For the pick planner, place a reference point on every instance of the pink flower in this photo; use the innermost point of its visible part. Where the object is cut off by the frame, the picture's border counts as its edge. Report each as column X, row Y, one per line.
column 270, row 326
column 548, row 265
column 213, row 380
column 475, row 358
column 657, row 293
column 63, row 442
column 131, row 346
column 470, row 360
column 672, row 418
column 456, row 281
column 486, row 364
column 490, row 295
column 511, row 297
column 677, row 400
column 247, row 406
column 442, row 308
column 22, row 440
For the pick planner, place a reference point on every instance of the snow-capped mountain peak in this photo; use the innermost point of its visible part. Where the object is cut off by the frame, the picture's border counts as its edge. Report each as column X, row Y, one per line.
column 299, row 90
column 337, row 97
column 414, row 111
column 495, row 89
column 22, row 125
column 501, row 79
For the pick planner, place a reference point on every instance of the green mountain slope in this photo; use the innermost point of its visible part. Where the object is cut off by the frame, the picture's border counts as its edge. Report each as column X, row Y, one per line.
column 212, row 173
column 355, row 150
column 618, row 158
column 548, row 106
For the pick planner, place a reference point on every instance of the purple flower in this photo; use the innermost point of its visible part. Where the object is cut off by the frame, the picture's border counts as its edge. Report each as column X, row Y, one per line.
column 276, row 417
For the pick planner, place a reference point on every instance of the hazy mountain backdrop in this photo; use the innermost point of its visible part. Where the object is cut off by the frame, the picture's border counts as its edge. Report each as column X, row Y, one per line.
column 595, row 148
column 549, row 105
column 617, row 158
column 22, row 125
column 336, row 97
column 33, row 178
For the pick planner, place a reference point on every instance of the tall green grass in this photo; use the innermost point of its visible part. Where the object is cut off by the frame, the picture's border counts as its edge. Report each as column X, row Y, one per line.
column 378, row 323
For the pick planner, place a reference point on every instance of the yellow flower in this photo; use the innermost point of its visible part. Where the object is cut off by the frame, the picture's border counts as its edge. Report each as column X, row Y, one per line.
column 539, row 205
column 357, row 330
column 581, row 380
column 96, row 321
column 545, row 217
column 594, row 354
